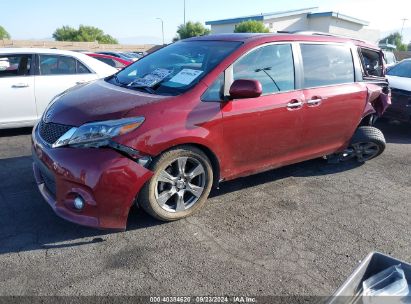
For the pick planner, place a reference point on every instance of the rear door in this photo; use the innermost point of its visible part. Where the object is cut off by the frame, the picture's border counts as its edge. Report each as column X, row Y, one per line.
column 17, row 102
column 263, row 132
column 334, row 100
column 57, row 73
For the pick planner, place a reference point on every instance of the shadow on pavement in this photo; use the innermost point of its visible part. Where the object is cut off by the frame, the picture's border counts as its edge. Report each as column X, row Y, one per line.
column 316, row 167
column 395, row 132
column 15, row 132
column 28, row 223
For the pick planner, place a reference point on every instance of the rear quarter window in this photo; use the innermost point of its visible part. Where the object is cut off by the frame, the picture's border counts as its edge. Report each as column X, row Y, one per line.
column 372, row 62
column 326, row 65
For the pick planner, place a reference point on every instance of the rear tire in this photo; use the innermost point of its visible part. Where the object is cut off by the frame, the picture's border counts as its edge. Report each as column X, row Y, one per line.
column 182, row 181
column 366, row 144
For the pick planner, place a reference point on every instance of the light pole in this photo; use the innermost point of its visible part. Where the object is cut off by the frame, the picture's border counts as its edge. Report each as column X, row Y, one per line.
column 403, row 23
column 184, row 12
column 162, row 27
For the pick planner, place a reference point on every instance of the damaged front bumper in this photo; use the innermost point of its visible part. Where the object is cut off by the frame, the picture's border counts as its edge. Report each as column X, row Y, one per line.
column 104, row 179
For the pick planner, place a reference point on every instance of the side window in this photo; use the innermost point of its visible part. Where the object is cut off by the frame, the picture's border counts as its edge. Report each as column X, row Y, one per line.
column 372, row 63
column 216, row 91
column 118, row 64
column 108, row 61
column 81, row 68
column 326, row 65
column 15, row 65
column 57, row 65
column 272, row 65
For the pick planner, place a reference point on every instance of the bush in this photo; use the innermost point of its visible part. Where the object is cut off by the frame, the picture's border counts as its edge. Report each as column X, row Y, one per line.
column 251, row 26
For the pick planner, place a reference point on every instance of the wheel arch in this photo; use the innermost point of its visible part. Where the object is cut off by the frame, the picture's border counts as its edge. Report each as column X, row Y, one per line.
column 215, row 162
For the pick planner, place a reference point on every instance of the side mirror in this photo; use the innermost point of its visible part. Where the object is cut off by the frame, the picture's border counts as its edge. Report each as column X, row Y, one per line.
column 245, row 88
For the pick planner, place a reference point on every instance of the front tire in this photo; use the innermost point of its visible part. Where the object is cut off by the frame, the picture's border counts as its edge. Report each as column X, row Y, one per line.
column 366, row 144
column 182, row 181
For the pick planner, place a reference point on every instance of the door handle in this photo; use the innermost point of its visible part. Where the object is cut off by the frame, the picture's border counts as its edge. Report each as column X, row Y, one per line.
column 314, row 102
column 20, row 85
column 295, row 104
column 81, row 82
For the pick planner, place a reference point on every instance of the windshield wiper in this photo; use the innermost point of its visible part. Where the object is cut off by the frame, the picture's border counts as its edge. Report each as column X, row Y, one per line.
column 146, row 89
column 118, row 80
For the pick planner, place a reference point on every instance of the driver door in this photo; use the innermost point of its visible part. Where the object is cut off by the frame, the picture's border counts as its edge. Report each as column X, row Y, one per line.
column 264, row 132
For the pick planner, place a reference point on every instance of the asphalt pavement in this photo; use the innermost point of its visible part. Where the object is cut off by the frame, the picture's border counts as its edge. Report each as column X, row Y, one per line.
column 298, row 230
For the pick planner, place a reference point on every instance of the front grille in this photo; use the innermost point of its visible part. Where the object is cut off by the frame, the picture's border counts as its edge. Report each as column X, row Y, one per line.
column 51, row 132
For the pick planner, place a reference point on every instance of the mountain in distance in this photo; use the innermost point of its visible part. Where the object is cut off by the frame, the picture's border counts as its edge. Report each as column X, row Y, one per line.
column 140, row 40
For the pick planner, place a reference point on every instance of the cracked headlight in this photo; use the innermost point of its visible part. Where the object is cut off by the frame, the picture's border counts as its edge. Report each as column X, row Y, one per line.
column 97, row 134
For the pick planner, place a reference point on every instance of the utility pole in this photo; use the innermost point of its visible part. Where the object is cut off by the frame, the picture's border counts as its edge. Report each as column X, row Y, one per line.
column 162, row 27
column 403, row 23
column 184, row 12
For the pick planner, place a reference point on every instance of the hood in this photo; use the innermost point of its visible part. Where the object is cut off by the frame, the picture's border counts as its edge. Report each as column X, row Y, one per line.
column 96, row 101
column 399, row 83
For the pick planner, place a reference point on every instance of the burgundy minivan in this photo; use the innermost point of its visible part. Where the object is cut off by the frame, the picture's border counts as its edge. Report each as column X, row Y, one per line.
column 165, row 129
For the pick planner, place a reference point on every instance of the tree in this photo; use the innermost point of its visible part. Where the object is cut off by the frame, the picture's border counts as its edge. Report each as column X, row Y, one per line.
column 396, row 39
column 3, row 33
column 191, row 29
column 251, row 26
column 84, row 33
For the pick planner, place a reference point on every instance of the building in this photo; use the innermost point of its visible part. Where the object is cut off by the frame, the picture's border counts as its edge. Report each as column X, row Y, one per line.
column 307, row 19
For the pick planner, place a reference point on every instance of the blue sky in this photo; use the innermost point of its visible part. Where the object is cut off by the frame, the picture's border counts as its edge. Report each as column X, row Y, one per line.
column 135, row 21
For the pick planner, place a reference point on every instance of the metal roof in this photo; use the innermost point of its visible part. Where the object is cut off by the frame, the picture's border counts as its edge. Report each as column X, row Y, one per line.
column 338, row 16
column 262, row 16
column 310, row 11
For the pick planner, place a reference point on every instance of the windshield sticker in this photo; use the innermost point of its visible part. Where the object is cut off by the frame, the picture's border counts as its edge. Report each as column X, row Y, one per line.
column 151, row 79
column 186, row 76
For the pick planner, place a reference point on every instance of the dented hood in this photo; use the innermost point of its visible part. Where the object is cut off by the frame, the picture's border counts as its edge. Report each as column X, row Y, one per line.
column 96, row 101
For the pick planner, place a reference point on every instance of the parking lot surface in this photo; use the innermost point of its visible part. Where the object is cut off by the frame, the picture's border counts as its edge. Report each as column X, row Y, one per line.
column 298, row 230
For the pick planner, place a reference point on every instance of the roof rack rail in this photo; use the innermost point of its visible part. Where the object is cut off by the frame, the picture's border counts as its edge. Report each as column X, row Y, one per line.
column 320, row 34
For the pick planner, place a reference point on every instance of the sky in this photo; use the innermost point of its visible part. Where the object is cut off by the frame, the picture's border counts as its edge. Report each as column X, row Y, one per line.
column 134, row 21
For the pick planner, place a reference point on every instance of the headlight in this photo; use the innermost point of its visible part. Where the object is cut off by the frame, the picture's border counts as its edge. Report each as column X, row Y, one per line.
column 97, row 134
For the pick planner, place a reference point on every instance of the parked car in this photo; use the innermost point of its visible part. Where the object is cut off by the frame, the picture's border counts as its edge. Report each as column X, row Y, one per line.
column 30, row 78
column 115, row 62
column 121, row 55
column 165, row 129
column 399, row 78
column 140, row 54
column 390, row 59
column 136, row 55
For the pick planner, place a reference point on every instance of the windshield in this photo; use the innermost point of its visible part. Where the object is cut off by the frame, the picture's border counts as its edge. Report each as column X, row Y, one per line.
column 174, row 69
column 403, row 69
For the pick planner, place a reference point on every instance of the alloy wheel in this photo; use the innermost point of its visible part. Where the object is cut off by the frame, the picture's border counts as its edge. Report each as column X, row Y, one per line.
column 362, row 151
column 180, row 185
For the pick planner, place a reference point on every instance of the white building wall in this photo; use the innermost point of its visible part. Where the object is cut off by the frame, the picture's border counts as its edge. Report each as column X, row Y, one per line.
column 222, row 28
column 320, row 24
column 346, row 28
column 325, row 24
column 293, row 23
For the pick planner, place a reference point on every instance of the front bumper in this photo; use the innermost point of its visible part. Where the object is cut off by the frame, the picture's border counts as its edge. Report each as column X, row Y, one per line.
column 107, row 181
column 401, row 105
